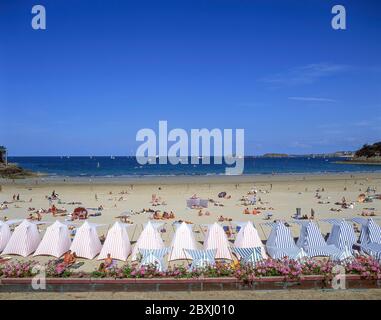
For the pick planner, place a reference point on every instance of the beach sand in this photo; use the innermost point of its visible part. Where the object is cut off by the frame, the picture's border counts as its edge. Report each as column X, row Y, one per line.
column 282, row 193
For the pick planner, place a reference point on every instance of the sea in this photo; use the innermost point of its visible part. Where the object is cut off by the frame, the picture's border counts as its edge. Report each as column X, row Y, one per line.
column 124, row 166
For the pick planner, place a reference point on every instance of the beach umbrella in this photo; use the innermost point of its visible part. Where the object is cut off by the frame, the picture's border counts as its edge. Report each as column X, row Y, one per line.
column 117, row 243
column 24, row 240
column 149, row 239
column 86, row 243
column 248, row 237
column 182, row 239
column 216, row 239
column 55, row 242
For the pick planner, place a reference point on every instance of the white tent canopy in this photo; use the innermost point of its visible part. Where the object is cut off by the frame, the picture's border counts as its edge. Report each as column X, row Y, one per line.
column 24, row 240
column 182, row 239
column 86, row 243
column 117, row 243
column 149, row 239
column 5, row 235
column 217, row 239
column 248, row 237
column 55, row 242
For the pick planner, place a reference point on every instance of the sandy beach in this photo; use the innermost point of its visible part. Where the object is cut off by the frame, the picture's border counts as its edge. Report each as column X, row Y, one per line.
column 278, row 195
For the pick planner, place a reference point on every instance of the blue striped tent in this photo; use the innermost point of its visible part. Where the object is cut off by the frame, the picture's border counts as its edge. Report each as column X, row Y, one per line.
column 280, row 243
column 202, row 258
column 363, row 239
column 370, row 237
column 342, row 255
column 342, row 234
column 153, row 257
column 249, row 255
column 312, row 241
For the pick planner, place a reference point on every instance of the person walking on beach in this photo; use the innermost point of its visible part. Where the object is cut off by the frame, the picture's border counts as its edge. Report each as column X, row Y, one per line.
column 96, row 197
column 312, row 214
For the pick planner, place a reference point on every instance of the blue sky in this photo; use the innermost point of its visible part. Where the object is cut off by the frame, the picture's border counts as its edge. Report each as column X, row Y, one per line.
column 102, row 70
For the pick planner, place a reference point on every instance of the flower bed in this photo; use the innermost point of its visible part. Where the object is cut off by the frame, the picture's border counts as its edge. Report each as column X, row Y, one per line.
column 285, row 270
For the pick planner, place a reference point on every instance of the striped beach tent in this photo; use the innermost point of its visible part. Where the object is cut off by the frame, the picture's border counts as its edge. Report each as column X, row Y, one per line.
column 342, row 234
column 117, row 243
column 249, row 255
column 86, row 243
column 281, row 244
column 312, row 241
column 149, row 239
column 202, row 258
column 182, row 239
column 370, row 238
column 153, row 257
column 248, row 237
column 344, row 254
column 364, row 234
column 5, row 232
column 55, row 242
column 216, row 239
column 24, row 240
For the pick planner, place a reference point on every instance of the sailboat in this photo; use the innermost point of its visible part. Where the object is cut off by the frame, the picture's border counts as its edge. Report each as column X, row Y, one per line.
column 98, row 165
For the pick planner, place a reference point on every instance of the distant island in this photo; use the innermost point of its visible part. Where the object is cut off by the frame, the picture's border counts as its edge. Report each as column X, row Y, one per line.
column 275, row 155
column 338, row 154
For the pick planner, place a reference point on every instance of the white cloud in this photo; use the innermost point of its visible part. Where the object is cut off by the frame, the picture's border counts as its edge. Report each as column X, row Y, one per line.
column 311, row 99
column 305, row 74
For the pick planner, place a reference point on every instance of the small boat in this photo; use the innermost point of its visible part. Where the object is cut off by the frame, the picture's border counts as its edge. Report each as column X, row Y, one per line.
column 112, row 158
column 98, row 165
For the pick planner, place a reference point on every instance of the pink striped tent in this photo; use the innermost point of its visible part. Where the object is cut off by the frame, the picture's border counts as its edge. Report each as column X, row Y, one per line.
column 183, row 239
column 55, row 242
column 86, row 243
column 248, row 237
column 217, row 239
column 149, row 239
column 117, row 243
column 5, row 234
column 24, row 240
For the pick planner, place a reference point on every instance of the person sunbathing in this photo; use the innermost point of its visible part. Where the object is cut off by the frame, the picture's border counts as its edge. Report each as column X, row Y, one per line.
column 157, row 215
column 109, row 262
column 165, row 215
column 69, row 258
column 246, row 211
column 31, row 217
column 171, row 215
column 221, row 218
column 102, row 268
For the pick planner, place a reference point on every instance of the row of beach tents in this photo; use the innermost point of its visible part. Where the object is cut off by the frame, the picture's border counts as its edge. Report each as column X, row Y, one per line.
column 150, row 247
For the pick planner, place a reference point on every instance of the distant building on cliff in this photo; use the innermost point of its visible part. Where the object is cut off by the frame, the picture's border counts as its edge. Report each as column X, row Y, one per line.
column 3, row 155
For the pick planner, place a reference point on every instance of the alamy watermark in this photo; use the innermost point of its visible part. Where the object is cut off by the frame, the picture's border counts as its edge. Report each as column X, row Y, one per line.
column 176, row 147
column 39, row 19
column 339, row 21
